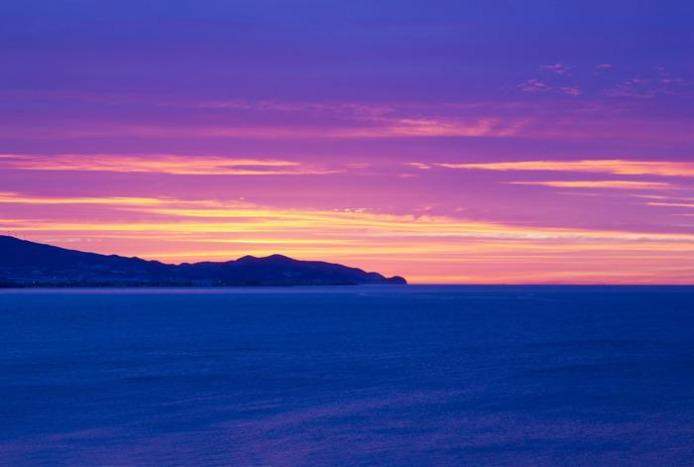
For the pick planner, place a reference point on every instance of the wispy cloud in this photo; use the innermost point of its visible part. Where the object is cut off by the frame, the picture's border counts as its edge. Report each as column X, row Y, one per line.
column 534, row 85
column 611, row 166
column 342, row 120
column 451, row 127
column 648, row 84
column 661, row 82
column 570, row 90
column 17, row 198
column 365, row 110
column 365, row 129
column 608, row 184
column 556, row 68
column 673, row 205
column 537, row 86
column 125, row 202
column 554, row 84
column 159, row 163
column 232, row 217
column 372, row 128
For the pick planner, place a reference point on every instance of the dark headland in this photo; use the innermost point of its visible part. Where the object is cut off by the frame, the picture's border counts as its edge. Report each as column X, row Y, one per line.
column 28, row 264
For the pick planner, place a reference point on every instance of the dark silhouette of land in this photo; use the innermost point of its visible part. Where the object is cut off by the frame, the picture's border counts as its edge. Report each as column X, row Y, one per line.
column 29, row 264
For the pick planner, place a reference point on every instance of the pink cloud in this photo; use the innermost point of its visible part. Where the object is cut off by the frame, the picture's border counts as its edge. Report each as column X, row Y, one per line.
column 570, row 90
column 557, row 69
column 537, row 86
column 608, row 184
column 648, row 87
column 534, row 85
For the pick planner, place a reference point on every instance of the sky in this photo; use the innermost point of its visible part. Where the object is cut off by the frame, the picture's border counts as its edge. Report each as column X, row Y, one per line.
column 447, row 141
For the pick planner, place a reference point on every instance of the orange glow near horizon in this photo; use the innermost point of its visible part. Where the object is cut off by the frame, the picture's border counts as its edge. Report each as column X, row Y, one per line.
column 425, row 249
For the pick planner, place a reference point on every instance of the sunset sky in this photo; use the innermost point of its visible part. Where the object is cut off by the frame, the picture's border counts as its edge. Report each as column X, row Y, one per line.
column 447, row 141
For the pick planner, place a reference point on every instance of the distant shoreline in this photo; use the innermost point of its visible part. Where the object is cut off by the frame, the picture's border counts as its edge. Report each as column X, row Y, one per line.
column 28, row 264
column 57, row 286
column 169, row 286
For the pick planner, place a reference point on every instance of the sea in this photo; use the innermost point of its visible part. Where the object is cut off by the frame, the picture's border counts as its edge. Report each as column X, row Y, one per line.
column 360, row 375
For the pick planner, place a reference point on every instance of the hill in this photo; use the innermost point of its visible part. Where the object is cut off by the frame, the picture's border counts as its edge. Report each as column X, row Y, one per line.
column 25, row 264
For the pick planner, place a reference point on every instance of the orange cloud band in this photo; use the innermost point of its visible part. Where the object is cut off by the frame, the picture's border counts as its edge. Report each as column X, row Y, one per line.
column 159, row 163
column 613, row 166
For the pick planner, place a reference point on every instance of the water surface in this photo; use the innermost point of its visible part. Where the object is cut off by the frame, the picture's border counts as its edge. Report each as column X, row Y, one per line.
column 386, row 375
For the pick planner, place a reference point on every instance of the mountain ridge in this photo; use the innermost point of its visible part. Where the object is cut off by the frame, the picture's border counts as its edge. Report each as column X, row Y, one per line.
column 29, row 264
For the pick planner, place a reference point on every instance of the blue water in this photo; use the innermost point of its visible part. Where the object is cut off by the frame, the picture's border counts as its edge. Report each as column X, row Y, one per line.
column 418, row 375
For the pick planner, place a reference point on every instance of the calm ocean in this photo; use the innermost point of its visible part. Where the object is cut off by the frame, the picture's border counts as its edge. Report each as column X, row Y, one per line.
column 373, row 375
